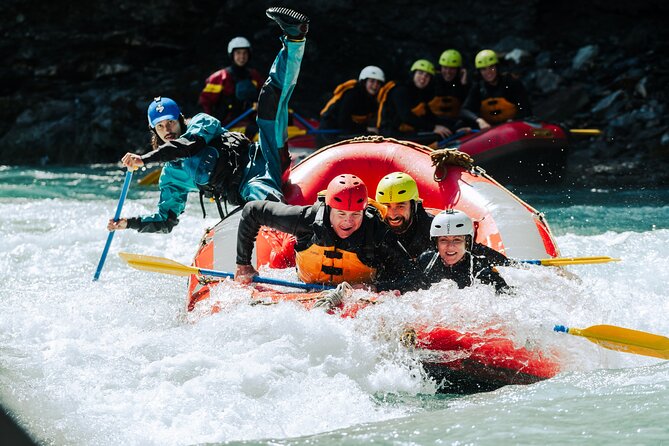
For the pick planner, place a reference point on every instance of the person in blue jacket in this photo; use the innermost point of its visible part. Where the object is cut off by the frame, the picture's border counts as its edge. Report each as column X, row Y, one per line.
column 200, row 154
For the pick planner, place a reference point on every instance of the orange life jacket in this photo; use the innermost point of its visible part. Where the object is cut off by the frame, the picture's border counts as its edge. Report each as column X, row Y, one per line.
column 326, row 264
column 383, row 97
column 498, row 110
column 338, row 93
column 445, row 106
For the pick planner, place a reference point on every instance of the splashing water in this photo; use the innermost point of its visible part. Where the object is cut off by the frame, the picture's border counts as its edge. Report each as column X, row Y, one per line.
column 120, row 361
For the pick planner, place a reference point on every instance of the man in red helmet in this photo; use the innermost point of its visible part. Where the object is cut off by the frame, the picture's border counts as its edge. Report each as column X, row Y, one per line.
column 339, row 239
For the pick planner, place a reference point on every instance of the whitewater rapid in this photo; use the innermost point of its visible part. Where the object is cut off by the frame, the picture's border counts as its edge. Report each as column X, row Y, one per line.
column 120, row 361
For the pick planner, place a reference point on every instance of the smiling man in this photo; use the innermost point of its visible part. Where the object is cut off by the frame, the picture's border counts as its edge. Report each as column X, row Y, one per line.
column 339, row 239
column 405, row 215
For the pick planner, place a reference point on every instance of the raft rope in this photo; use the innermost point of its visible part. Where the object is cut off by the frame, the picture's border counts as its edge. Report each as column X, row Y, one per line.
column 449, row 157
column 330, row 299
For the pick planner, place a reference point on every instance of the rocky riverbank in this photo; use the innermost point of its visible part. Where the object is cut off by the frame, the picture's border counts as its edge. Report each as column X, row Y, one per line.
column 78, row 75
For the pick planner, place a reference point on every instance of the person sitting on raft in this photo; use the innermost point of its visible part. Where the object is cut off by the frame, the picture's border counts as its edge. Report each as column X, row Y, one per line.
column 404, row 112
column 353, row 107
column 497, row 97
column 232, row 90
column 223, row 165
column 457, row 257
column 339, row 239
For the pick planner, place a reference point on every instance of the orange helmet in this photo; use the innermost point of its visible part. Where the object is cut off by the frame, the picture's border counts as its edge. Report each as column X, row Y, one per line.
column 346, row 192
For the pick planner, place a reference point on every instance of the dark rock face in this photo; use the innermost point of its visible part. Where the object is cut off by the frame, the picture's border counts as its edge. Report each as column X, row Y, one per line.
column 77, row 76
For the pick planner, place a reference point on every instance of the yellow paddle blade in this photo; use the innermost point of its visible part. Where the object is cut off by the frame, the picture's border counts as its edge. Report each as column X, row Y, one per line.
column 625, row 340
column 294, row 131
column 585, row 132
column 151, row 177
column 157, row 264
column 561, row 261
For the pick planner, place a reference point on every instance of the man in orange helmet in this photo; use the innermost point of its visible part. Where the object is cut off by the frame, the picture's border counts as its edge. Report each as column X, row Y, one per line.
column 339, row 239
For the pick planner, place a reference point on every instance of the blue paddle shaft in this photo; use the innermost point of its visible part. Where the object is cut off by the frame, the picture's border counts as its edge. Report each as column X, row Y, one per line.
column 239, row 118
column 117, row 216
column 267, row 280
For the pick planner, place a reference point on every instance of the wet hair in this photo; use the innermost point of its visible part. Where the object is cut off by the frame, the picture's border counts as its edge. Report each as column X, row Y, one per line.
column 156, row 141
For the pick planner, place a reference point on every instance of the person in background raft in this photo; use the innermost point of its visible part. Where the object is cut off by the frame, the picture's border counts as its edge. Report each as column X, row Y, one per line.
column 457, row 257
column 226, row 166
column 405, row 214
column 498, row 97
column 338, row 239
column 353, row 107
column 451, row 88
column 232, row 90
column 404, row 112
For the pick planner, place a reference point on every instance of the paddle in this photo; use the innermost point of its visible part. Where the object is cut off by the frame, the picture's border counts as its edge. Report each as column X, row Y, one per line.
column 587, row 132
column 622, row 339
column 561, row 261
column 151, row 177
column 117, row 215
column 167, row 266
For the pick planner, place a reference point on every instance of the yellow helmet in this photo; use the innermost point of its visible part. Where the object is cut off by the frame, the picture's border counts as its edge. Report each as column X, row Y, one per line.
column 423, row 65
column 396, row 188
column 485, row 58
column 451, row 58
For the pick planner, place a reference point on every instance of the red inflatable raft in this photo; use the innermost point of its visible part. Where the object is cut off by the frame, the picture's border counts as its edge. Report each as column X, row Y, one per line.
column 463, row 362
column 519, row 152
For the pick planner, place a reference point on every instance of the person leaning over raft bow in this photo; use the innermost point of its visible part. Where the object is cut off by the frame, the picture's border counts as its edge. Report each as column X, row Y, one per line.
column 223, row 165
column 339, row 239
column 353, row 107
column 457, row 257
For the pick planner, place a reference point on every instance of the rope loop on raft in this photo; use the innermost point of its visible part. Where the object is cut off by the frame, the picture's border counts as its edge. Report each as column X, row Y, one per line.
column 449, row 157
column 330, row 299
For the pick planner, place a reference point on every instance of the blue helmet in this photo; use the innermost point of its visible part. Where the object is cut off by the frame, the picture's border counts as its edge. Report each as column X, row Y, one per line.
column 161, row 109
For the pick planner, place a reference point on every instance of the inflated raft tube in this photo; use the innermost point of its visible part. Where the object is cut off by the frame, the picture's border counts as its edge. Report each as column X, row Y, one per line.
column 519, row 152
column 504, row 222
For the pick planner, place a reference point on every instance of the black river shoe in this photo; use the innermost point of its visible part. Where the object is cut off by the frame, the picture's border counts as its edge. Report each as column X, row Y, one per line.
column 294, row 24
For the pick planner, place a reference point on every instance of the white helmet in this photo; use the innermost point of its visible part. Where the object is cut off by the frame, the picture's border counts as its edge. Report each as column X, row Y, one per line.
column 238, row 42
column 372, row 72
column 451, row 222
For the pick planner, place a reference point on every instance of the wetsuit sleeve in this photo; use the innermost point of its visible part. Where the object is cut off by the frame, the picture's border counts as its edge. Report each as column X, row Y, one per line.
column 490, row 276
column 204, row 126
column 201, row 131
column 294, row 220
column 175, row 149
column 400, row 100
column 175, row 184
column 157, row 226
column 472, row 106
column 491, row 256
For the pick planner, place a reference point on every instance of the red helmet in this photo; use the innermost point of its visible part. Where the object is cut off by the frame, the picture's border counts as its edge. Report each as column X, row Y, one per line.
column 347, row 193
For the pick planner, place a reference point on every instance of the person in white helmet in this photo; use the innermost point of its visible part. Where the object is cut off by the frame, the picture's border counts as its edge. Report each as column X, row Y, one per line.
column 457, row 257
column 353, row 106
column 232, row 90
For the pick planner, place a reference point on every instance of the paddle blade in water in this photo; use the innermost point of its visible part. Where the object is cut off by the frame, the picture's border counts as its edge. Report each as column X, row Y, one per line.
column 157, row 264
column 623, row 339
